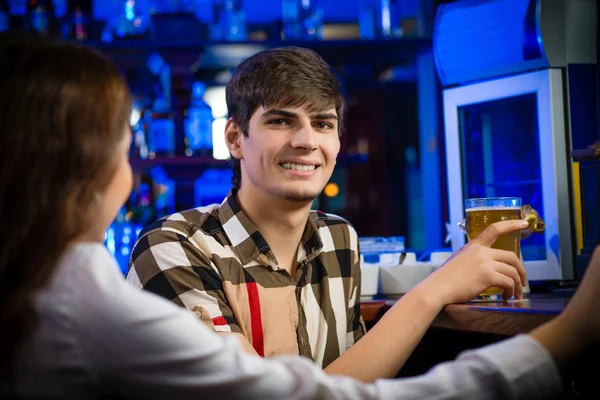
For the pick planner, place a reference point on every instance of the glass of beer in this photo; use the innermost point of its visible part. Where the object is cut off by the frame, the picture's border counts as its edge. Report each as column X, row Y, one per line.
column 479, row 214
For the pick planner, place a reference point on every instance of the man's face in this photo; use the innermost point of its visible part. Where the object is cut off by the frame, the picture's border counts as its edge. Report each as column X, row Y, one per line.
column 290, row 153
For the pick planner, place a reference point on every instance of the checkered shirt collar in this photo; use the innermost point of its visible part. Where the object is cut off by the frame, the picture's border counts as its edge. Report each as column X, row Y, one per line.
column 246, row 240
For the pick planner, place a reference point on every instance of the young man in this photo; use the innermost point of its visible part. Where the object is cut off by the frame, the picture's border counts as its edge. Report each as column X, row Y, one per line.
column 282, row 278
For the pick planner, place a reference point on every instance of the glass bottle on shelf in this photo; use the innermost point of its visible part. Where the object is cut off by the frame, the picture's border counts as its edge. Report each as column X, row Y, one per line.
column 129, row 20
column 198, row 124
column 139, row 145
column 143, row 211
column 161, row 124
column 161, row 129
column 164, row 192
column 229, row 21
column 76, row 21
column 380, row 19
column 302, row 19
column 4, row 15
column 40, row 17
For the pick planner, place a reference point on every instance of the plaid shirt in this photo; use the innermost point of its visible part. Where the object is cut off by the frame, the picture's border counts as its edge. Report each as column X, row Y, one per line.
column 213, row 261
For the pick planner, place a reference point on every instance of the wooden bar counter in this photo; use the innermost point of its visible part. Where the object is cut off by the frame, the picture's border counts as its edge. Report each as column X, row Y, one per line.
column 459, row 327
column 501, row 318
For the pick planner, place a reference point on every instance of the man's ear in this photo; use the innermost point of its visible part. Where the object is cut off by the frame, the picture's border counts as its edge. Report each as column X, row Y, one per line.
column 233, row 138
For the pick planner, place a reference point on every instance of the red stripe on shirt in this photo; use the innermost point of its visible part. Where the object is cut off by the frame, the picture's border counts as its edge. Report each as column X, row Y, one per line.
column 219, row 321
column 255, row 319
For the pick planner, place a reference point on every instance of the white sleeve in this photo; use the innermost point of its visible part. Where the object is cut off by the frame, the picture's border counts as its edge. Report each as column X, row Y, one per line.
column 143, row 346
column 517, row 368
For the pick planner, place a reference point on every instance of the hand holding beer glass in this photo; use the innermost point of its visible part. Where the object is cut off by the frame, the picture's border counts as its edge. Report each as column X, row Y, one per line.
column 482, row 212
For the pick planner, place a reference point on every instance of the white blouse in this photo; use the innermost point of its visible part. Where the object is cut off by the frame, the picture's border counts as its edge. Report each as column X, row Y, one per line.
column 99, row 336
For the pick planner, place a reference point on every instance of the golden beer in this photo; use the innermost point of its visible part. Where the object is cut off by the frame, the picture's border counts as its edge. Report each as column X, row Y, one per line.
column 480, row 218
column 481, row 213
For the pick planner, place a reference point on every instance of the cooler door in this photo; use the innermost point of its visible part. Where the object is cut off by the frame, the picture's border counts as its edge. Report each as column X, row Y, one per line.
column 500, row 156
column 507, row 137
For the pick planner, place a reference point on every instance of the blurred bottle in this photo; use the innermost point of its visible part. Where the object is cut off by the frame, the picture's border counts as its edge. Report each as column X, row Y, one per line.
column 4, row 15
column 380, row 19
column 198, row 124
column 229, row 21
column 141, row 83
column 139, row 145
column 161, row 124
column 161, row 129
column 130, row 19
column 76, row 22
column 40, row 17
column 163, row 191
column 144, row 211
column 302, row 19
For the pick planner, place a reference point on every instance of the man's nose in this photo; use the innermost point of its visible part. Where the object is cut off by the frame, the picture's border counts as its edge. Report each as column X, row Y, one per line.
column 305, row 137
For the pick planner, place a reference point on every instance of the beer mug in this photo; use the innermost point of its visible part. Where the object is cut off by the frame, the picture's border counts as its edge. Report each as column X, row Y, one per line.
column 480, row 213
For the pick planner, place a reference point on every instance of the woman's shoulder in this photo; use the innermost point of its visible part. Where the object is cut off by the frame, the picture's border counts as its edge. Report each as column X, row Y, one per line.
column 85, row 268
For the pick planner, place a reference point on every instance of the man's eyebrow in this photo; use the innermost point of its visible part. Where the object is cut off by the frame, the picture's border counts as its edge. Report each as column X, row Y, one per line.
column 283, row 113
column 289, row 114
column 324, row 116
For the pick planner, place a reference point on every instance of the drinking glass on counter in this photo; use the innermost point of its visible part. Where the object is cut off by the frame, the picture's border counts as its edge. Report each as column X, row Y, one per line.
column 482, row 212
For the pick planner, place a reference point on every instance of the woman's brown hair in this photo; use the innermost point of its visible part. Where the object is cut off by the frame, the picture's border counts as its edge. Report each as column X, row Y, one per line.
column 63, row 111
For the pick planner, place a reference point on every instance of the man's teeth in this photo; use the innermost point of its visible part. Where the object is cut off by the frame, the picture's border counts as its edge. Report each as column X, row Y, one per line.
column 298, row 167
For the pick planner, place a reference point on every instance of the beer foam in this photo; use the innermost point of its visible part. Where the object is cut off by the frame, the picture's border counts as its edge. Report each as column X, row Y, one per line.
column 492, row 208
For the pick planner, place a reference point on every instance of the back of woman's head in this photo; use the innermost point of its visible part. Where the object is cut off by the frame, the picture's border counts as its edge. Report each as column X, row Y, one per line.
column 63, row 110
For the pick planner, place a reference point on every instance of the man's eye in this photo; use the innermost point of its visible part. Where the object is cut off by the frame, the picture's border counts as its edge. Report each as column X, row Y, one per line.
column 279, row 122
column 323, row 125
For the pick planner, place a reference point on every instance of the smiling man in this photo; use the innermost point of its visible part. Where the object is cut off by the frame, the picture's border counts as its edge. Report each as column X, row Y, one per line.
column 282, row 278
column 262, row 265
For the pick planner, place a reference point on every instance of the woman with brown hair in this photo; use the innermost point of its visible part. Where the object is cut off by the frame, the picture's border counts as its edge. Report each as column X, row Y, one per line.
column 70, row 327
column 64, row 173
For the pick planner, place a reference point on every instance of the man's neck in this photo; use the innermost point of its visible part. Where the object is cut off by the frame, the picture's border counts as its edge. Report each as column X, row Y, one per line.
column 281, row 222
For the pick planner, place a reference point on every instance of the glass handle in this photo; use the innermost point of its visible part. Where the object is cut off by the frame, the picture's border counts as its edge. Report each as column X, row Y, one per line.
column 462, row 225
column 536, row 223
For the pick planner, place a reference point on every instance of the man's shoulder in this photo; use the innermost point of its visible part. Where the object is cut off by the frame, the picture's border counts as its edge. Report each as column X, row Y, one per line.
column 321, row 218
column 342, row 232
column 187, row 235
column 187, row 223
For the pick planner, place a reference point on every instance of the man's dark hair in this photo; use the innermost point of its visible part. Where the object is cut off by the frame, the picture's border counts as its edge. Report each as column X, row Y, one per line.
column 282, row 77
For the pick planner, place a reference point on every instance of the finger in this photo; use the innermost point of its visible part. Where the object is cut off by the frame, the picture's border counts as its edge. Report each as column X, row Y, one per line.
column 506, row 284
column 489, row 235
column 511, row 272
column 510, row 258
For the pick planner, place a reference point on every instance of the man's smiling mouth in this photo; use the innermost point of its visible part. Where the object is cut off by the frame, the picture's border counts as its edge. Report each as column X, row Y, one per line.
column 299, row 167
